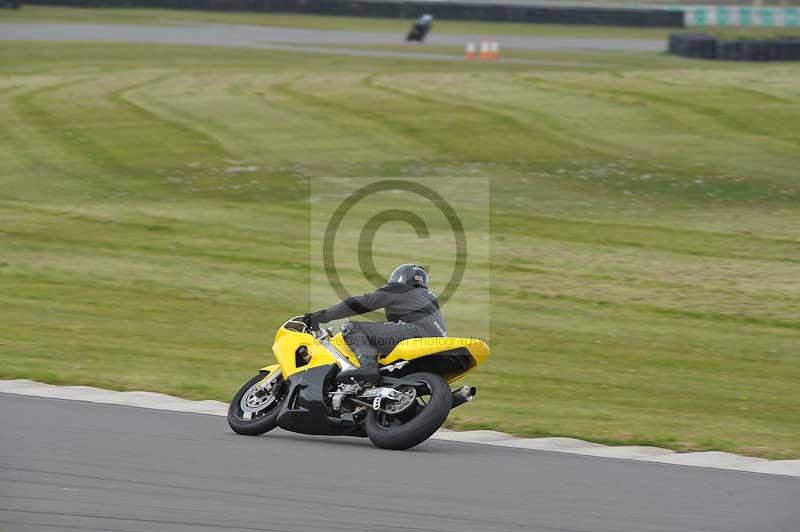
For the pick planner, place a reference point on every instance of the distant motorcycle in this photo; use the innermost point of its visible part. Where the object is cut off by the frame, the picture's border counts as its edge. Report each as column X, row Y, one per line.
column 409, row 403
column 420, row 29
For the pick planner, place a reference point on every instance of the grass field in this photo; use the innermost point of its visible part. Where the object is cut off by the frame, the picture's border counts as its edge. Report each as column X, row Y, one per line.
column 644, row 220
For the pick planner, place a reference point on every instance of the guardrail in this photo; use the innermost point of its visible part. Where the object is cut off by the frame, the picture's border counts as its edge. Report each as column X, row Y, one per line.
column 540, row 14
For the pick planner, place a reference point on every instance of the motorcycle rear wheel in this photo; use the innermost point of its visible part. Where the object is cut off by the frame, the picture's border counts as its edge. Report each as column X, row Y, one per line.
column 415, row 425
column 255, row 421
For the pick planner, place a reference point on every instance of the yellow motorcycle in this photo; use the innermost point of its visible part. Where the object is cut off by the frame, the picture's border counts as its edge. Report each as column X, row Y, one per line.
column 409, row 403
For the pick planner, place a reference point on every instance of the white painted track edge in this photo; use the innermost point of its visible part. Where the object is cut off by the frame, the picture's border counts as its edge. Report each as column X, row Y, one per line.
column 159, row 401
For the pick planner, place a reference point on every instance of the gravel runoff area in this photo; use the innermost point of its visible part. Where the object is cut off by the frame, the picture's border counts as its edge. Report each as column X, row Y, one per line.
column 289, row 39
column 158, row 401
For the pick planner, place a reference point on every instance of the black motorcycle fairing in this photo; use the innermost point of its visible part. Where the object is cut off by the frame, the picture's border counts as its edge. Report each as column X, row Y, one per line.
column 305, row 411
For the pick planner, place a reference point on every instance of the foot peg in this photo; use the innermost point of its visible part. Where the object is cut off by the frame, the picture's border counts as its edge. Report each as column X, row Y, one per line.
column 363, row 374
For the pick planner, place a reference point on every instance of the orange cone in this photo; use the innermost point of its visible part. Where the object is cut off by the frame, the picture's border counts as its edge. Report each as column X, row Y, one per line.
column 494, row 50
column 484, row 50
column 469, row 55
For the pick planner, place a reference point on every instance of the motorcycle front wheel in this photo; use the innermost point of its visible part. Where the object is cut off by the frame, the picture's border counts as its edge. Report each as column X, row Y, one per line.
column 416, row 423
column 254, row 411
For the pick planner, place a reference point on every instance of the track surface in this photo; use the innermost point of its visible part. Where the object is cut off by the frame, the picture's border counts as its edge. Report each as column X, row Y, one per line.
column 264, row 37
column 70, row 465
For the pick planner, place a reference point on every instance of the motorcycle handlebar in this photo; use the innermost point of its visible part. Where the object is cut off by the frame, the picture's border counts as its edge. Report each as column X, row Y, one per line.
column 323, row 334
column 320, row 335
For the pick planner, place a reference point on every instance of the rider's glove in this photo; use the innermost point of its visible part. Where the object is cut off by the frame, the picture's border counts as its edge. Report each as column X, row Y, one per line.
column 312, row 320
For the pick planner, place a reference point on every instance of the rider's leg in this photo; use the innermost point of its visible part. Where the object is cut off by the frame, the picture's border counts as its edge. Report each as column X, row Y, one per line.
column 361, row 344
column 369, row 341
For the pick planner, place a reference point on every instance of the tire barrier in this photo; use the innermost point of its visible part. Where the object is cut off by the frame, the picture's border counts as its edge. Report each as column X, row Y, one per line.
column 541, row 14
column 709, row 47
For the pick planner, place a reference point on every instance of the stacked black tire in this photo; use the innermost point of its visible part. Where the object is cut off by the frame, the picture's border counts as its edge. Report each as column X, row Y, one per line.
column 703, row 46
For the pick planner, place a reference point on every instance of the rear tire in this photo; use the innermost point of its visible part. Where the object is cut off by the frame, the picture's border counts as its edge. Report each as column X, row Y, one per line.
column 411, row 428
column 261, row 421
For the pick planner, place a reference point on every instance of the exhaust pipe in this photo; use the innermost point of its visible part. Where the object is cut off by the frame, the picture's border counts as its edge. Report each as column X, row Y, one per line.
column 463, row 395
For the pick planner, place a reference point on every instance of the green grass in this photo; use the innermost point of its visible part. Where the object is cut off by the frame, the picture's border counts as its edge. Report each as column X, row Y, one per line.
column 644, row 222
column 484, row 29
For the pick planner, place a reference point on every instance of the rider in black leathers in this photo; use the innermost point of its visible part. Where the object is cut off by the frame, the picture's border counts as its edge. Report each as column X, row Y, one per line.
column 412, row 311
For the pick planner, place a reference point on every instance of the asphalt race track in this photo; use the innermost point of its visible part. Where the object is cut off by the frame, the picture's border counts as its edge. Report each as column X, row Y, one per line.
column 289, row 39
column 67, row 465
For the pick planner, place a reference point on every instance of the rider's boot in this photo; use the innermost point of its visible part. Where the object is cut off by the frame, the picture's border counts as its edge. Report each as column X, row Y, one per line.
column 367, row 372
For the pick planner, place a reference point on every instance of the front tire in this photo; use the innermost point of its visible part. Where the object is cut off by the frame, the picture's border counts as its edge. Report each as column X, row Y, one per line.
column 250, row 414
column 417, row 424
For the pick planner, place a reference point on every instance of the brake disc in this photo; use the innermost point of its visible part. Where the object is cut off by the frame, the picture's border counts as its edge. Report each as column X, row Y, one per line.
column 395, row 406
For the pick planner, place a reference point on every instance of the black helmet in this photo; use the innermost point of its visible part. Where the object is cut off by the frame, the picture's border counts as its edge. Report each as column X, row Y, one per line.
column 410, row 274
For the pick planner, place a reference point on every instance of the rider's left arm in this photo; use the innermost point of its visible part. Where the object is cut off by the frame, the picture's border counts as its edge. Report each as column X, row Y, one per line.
column 353, row 306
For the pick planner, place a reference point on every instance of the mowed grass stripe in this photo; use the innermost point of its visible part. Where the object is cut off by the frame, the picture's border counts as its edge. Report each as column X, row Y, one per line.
column 680, row 241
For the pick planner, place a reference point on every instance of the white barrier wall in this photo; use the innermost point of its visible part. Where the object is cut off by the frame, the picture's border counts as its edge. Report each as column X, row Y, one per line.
column 739, row 16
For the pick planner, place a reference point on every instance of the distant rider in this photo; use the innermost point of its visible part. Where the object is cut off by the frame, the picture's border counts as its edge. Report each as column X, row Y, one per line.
column 412, row 311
